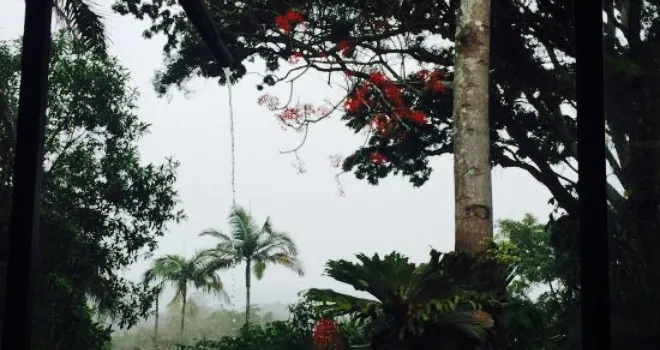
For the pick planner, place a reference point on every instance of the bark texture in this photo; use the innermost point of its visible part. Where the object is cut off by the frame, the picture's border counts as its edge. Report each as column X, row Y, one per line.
column 472, row 167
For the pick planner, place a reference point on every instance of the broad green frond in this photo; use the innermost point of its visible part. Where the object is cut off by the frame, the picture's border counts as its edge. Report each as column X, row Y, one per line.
column 339, row 304
column 382, row 278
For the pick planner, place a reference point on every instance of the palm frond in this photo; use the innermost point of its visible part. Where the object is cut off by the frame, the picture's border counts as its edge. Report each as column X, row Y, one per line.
column 282, row 259
column 258, row 269
column 83, row 18
column 243, row 226
column 222, row 237
column 339, row 304
column 278, row 240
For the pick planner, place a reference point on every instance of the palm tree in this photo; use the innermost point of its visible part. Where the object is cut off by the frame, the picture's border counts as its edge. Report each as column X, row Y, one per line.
column 158, row 290
column 181, row 273
column 257, row 246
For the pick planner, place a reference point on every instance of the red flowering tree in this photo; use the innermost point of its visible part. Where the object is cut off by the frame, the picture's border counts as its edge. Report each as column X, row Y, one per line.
column 397, row 57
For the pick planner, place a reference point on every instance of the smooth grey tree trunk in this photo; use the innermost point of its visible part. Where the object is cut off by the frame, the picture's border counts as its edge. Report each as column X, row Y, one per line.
column 183, row 313
column 472, row 169
column 248, row 283
column 156, row 323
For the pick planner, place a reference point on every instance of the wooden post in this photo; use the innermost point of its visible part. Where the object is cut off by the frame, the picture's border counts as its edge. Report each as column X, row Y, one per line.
column 28, row 171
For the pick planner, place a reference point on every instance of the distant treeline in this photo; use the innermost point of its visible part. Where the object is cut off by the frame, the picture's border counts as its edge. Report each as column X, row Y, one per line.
column 202, row 322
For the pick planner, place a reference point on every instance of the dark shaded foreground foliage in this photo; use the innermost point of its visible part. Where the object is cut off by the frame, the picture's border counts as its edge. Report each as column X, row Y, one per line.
column 511, row 298
column 102, row 210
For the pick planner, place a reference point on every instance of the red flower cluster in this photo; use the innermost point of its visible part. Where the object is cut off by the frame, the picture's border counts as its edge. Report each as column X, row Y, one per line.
column 392, row 94
column 326, row 335
column 432, row 80
column 289, row 21
column 377, row 158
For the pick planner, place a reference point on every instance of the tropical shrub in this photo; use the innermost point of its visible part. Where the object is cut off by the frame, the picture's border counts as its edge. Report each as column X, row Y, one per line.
column 451, row 300
column 297, row 333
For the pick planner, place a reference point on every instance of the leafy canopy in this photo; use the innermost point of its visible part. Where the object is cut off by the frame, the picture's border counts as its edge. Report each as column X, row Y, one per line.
column 103, row 208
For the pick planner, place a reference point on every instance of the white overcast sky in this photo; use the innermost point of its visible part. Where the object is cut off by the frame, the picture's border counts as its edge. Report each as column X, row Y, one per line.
column 195, row 131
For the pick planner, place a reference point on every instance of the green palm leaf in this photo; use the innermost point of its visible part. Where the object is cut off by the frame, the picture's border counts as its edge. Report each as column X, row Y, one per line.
column 339, row 304
column 83, row 18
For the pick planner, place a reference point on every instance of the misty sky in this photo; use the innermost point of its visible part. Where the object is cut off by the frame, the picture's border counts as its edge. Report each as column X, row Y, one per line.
column 194, row 129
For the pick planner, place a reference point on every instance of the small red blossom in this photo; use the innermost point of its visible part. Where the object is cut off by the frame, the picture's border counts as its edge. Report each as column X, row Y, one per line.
column 382, row 125
column 400, row 112
column 308, row 109
column 296, row 57
column 352, row 105
column 361, row 92
column 377, row 158
column 283, row 24
column 270, row 101
column 378, row 78
column 423, row 74
column 393, row 94
column 290, row 114
column 438, row 86
column 294, row 17
column 345, row 47
column 418, row 117
column 288, row 21
column 326, row 335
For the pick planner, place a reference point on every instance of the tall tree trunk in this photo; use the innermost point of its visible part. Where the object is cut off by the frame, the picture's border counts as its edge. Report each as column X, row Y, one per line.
column 472, row 168
column 183, row 312
column 248, row 277
column 156, row 323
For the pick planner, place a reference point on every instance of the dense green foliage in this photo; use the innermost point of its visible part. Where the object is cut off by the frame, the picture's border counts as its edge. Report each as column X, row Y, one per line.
column 102, row 208
column 257, row 246
column 543, row 301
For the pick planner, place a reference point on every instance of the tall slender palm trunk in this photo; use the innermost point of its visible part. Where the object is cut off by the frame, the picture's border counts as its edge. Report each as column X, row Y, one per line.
column 248, row 283
column 156, row 324
column 472, row 168
column 183, row 312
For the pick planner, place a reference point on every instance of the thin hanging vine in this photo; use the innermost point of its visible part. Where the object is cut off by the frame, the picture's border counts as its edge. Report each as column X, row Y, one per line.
column 233, row 169
column 233, row 140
